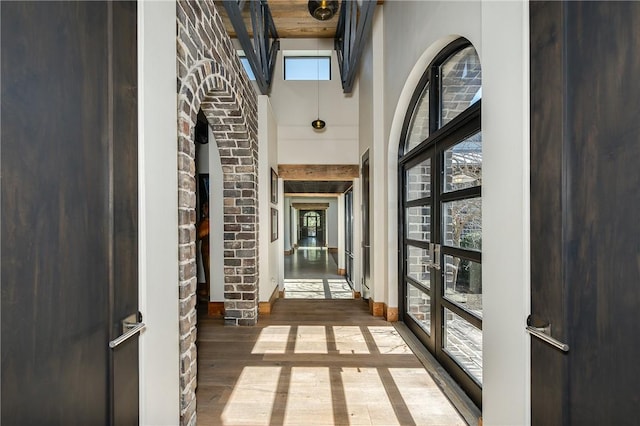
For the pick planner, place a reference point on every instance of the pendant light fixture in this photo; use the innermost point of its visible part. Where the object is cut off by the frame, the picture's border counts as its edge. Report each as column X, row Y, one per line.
column 323, row 10
column 318, row 124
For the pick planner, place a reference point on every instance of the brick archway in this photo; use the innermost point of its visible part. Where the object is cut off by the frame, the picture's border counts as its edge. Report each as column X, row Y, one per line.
column 232, row 115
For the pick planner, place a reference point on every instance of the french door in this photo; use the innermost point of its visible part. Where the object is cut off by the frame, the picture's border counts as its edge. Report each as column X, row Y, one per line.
column 440, row 178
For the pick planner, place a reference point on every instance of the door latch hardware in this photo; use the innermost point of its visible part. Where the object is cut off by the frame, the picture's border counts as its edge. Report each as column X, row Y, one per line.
column 542, row 330
column 131, row 326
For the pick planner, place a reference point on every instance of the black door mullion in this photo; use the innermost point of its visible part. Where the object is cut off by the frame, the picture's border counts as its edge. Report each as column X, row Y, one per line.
column 461, row 312
column 435, row 234
column 438, row 290
column 462, row 194
column 417, row 284
column 418, row 202
column 417, row 243
column 474, row 256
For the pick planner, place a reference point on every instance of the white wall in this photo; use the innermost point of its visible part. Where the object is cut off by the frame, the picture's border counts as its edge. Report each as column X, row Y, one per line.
column 373, row 138
column 295, row 103
column 295, row 221
column 158, row 221
column 269, row 251
column 286, row 231
column 505, row 212
column 278, row 254
column 499, row 32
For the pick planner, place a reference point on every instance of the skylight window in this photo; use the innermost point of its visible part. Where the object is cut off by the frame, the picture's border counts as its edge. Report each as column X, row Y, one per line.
column 307, row 68
column 247, row 67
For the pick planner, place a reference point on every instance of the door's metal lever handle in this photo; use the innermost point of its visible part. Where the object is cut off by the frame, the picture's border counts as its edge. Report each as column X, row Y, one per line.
column 132, row 329
column 542, row 330
column 131, row 326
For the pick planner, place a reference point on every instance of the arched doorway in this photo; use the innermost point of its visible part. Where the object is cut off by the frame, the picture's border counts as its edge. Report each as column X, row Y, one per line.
column 440, row 239
column 312, row 228
column 229, row 105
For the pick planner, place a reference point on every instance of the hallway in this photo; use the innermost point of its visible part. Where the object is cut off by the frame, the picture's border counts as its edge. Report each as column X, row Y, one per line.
column 314, row 362
column 311, row 272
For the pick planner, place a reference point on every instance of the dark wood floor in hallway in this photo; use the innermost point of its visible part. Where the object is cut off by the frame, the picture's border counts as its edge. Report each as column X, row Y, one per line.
column 314, row 362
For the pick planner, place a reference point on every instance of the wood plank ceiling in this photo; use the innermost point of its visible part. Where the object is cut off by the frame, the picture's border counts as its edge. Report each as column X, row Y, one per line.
column 291, row 18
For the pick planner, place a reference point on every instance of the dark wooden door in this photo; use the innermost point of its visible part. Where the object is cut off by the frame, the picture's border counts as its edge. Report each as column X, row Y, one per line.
column 585, row 199
column 69, row 212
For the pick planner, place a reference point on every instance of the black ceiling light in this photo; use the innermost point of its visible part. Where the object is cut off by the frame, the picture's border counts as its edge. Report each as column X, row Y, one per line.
column 323, row 10
column 318, row 124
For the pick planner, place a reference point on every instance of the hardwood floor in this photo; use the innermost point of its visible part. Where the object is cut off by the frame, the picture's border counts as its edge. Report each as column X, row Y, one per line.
column 314, row 362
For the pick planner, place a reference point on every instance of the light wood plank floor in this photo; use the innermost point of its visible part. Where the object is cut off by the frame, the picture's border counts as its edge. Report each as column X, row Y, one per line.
column 314, row 362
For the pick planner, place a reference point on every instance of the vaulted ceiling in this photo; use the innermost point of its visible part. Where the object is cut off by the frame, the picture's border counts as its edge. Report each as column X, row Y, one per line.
column 293, row 20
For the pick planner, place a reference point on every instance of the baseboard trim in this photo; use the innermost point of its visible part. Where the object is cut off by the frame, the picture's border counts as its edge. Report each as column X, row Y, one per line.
column 357, row 295
column 264, row 308
column 376, row 308
column 390, row 314
column 332, row 249
column 342, row 271
column 288, row 252
column 215, row 309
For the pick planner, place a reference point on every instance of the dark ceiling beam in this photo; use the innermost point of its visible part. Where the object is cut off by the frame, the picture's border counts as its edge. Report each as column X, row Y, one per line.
column 353, row 31
column 262, row 52
column 310, row 206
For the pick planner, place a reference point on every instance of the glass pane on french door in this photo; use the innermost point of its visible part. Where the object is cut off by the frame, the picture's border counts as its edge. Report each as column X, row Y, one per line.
column 463, row 342
column 418, row 265
column 463, row 164
column 418, row 223
column 463, row 283
column 418, row 305
column 418, row 180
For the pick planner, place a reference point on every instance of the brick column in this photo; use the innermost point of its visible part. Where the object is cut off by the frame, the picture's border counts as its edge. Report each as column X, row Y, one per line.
column 211, row 78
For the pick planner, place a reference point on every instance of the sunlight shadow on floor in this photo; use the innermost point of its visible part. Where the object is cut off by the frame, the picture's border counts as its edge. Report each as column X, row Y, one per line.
column 312, row 374
column 317, row 288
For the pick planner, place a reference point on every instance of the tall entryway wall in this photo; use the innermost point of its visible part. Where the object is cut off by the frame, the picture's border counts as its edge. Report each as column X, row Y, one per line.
column 211, row 78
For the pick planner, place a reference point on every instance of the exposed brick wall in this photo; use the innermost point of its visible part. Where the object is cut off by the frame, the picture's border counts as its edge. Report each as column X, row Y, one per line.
column 211, row 78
